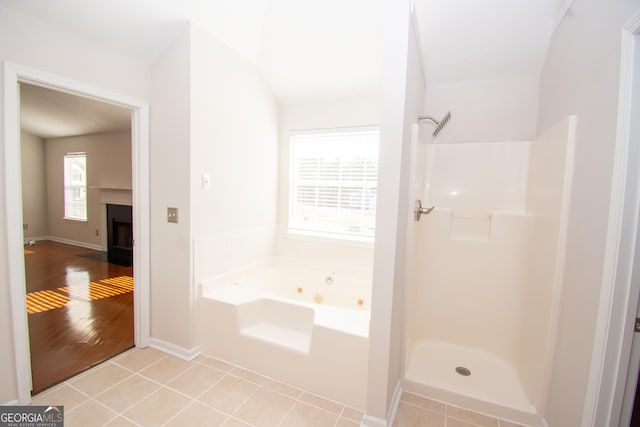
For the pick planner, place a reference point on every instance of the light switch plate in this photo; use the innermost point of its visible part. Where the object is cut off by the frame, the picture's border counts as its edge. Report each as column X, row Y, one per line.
column 206, row 181
column 172, row 215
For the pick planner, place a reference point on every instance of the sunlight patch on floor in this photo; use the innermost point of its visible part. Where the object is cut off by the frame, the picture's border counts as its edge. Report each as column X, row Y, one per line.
column 40, row 301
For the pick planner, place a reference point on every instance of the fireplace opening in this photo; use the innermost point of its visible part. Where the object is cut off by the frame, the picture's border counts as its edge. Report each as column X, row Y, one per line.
column 120, row 234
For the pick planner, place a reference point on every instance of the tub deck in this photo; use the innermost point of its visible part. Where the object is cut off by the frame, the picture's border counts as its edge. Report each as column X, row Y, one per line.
column 312, row 346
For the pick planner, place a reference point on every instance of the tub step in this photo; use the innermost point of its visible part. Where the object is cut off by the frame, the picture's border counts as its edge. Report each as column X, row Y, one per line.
column 284, row 337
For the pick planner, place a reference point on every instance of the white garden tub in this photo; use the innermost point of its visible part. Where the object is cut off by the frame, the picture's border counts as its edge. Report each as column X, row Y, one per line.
column 297, row 321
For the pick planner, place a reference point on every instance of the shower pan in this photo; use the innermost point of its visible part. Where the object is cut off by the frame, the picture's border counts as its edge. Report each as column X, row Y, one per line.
column 485, row 270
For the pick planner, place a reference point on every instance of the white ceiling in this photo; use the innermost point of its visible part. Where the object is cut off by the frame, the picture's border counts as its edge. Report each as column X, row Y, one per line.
column 470, row 40
column 52, row 114
column 309, row 49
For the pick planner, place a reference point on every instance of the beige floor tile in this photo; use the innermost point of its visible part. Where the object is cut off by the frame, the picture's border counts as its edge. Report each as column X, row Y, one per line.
column 423, row 402
column 413, row 416
column 88, row 414
column 139, row 358
column 322, row 403
column 471, row 417
column 196, row 379
column 228, row 394
column 239, row 398
column 216, row 363
column 166, row 369
column 197, row 414
column 352, row 414
column 98, row 380
column 248, row 375
column 61, row 395
column 124, row 395
column 158, row 408
column 120, row 422
column 345, row 422
column 234, row 422
column 452, row 422
column 282, row 388
column 265, row 408
column 309, row 416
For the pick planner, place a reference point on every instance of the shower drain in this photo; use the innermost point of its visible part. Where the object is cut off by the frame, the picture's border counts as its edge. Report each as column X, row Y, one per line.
column 463, row 371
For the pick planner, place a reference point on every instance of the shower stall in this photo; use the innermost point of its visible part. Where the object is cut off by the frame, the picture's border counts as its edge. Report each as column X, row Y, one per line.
column 487, row 250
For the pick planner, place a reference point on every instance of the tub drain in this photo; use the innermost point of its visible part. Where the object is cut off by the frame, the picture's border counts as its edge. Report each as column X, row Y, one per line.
column 463, row 371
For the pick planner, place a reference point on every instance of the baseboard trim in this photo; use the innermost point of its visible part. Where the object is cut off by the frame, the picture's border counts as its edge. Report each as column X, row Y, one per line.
column 71, row 242
column 395, row 401
column 11, row 403
column 371, row 421
column 175, row 350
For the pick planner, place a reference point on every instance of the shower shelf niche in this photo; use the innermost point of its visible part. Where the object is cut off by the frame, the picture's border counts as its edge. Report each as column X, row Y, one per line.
column 471, row 227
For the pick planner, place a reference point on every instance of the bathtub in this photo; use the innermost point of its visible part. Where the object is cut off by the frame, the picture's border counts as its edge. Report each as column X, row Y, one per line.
column 296, row 321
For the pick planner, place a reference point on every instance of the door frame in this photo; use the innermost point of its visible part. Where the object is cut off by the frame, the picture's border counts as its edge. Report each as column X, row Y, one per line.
column 14, row 74
column 612, row 365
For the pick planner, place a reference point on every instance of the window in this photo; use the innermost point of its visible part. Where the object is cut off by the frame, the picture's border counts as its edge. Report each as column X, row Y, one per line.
column 75, row 186
column 334, row 180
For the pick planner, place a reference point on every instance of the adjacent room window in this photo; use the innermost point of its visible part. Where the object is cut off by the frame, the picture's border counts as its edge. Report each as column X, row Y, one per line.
column 75, row 186
column 334, row 181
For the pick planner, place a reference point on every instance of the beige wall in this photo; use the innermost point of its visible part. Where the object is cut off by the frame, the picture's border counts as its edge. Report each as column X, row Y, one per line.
column 234, row 125
column 34, row 191
column 402, row 101
column 212, row 114
column 170, row 156
column 108, row 166
column 32, row 44
column 486, row 111
column 414, row 98
column 581, row 76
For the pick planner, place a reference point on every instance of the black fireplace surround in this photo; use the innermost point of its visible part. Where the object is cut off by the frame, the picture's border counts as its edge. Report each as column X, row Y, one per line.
column 120, row 234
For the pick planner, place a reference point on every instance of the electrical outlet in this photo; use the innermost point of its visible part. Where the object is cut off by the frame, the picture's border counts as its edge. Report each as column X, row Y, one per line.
column 97, row 232
column 25, row 226
column 172, row 215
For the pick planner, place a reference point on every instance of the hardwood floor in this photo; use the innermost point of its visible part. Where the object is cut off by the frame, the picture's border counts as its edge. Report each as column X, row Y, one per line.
column 80, row 310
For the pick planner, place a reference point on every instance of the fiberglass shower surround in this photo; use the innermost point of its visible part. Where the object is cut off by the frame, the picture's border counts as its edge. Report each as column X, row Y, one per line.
column 485, row 271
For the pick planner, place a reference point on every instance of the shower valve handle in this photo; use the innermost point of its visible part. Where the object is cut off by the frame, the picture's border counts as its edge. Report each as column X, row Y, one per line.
column 418, row 210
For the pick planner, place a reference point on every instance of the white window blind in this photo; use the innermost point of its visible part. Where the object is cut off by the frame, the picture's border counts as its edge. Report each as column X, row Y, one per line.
column 75, row 186
column 334, row 180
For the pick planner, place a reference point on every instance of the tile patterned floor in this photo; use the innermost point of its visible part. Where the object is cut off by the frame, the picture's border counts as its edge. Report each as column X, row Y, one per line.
column 418, row 411
column 145, row 387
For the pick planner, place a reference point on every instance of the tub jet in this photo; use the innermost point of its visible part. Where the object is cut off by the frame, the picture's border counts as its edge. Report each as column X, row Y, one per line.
column 463, row 371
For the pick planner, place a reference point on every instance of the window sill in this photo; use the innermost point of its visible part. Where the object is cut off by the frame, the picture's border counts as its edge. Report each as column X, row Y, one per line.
column 75, row 219
column 355, row 241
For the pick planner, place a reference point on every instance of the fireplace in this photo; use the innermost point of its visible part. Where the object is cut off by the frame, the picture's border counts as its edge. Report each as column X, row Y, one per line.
column 120, row 234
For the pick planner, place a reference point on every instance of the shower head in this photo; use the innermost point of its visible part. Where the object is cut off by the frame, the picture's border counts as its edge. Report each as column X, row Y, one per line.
column 439, row 123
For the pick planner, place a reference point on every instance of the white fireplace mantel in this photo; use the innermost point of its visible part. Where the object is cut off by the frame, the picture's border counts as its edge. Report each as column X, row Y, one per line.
column 114, row 195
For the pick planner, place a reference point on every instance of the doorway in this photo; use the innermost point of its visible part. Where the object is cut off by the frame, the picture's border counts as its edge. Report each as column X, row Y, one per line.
column 79, row 299
column 13, row 75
